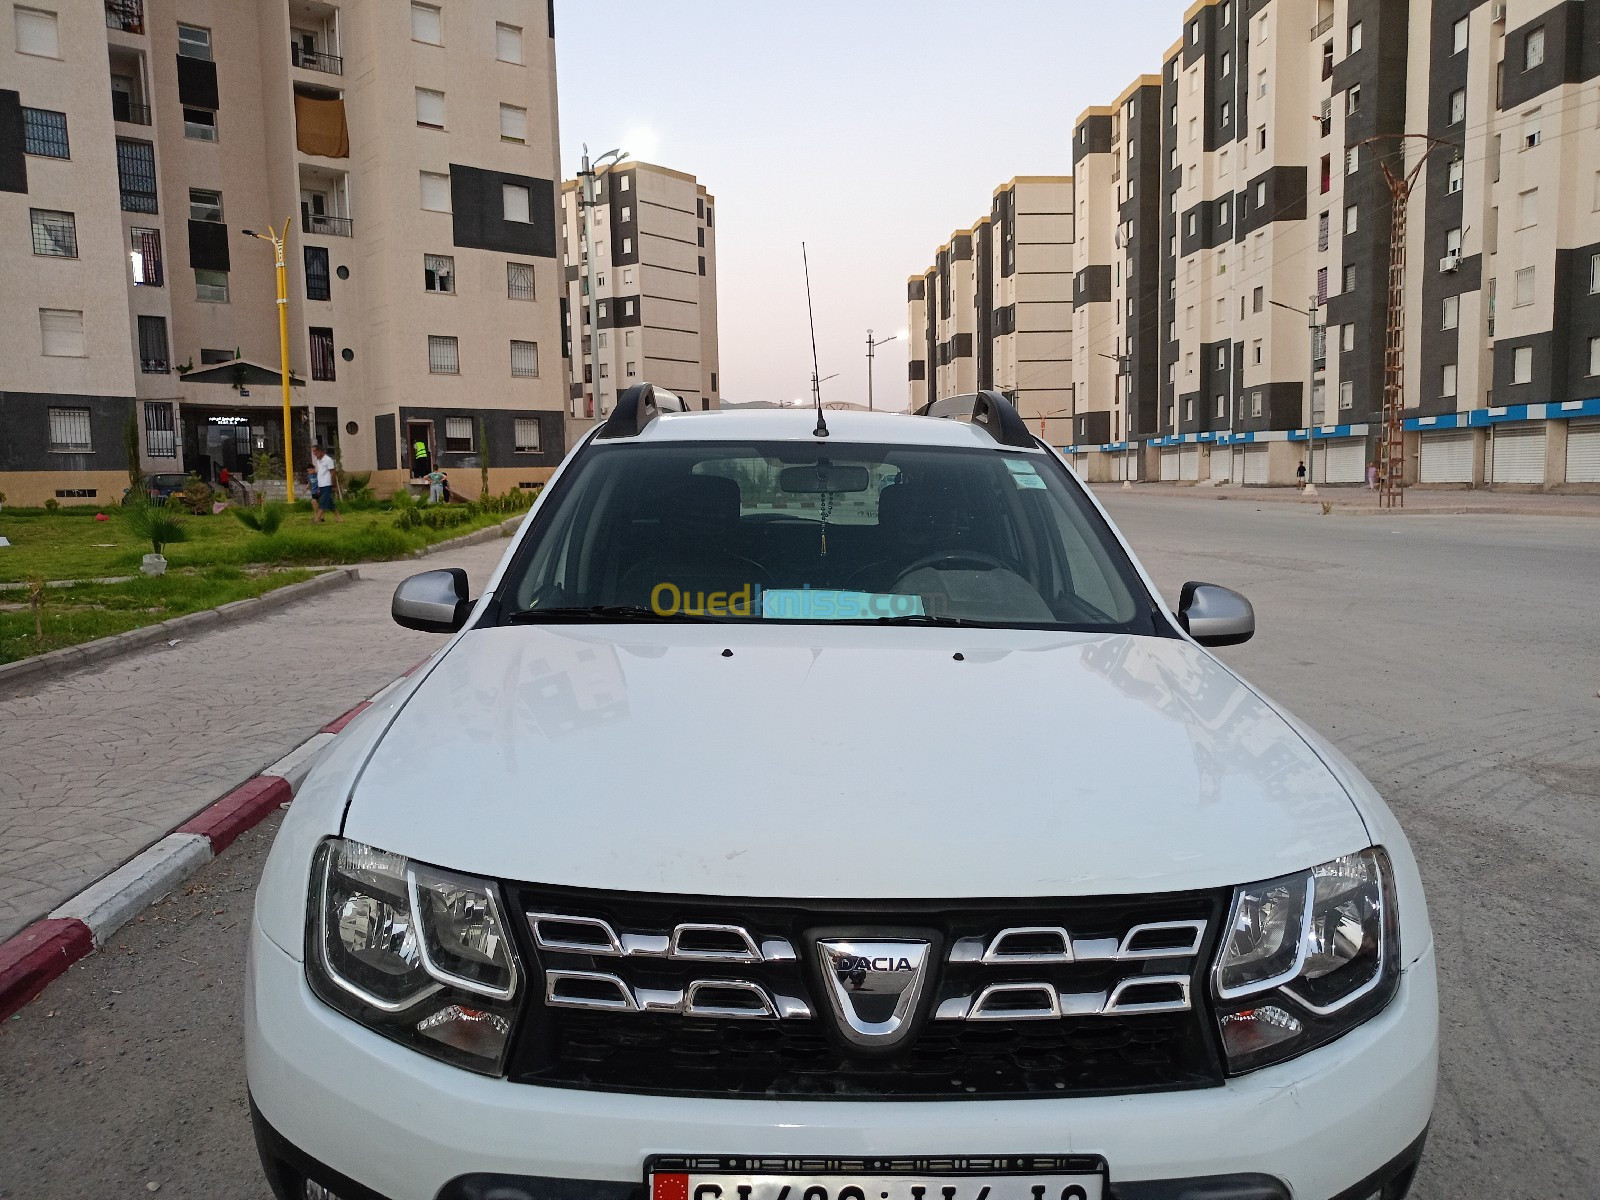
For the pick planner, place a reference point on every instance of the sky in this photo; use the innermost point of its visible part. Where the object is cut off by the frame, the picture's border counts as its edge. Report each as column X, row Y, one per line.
column 872, row 130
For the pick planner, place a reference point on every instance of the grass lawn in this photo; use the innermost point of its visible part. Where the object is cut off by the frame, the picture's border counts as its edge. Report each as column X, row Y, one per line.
column 87, row 611
column 71, row 544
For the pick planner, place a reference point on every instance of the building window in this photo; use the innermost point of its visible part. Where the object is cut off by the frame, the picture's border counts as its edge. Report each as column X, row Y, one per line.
column 69, row 431
column 1355, row 37
column 318, row 285
column 1594, row 274
column 1452, row 240
column 1257, row 299
column 1224, row 64
column 508, row 43
column 1458, row 36
column 439, row 274
column 627, row 275
column 1594, row 356
column 1257, row 348
column 160, row 436
column 605, row 370
column 1222, row 406
column 1188, row 409
column 627, row 245
column 55, row 234
column 1447, row 380
column 37, row 33
column 430, row 108
column 526, row 435
column 1458, row 106
column 427, row 25
column 627, row 308
column 1451, row 314
column 44, row 132
column 519, row 281
column 1261, row 141
column 444, row 355
column 1533, row 49
column 1347, row 337
column 1327, row 174
column 627, row 337
column 1192, row 225
column 1347, row 395
column 1224, row 211
column 205, row 205
column 525, row 360
column 711, row 217
column 1222, row 358
column 517, row 202
column 1453, row 180
column 1352, row 160
column 1226, row 15
column 136, row 175
column 1255, row 404
column 513, row 123
column 703, row 266
column 623, row 183
column 194, row 42
column 1522, row 364
column 435, row 191
column 1322, row 232
column 1225, row 113
column 627, row 213
column 200, row 124
column 322, row 356
column 1261, row 84
column 153, row 353
column 1524, row 282
column 1352, row 99
column 1527, row 208
column 458, row 434
column 211, row 286
column 632, row 371
column 1349, row 277
column 1351, row 217
column 144, row 254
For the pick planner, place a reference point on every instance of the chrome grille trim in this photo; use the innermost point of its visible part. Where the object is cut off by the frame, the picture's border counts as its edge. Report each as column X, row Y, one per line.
column 985, row 1008
column 1055, row 1005
column 553, row 996
column 609, row 943
column 686, row 1002
column 694, row 1007
column 1119, row 1007
column 1073, row 950
column 1195, row 929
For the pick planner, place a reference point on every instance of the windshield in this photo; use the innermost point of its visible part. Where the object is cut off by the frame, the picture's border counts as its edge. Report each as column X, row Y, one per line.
column 781, row 531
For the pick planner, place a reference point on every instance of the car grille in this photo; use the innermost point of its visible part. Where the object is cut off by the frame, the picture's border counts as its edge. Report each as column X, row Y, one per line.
column 710, row 996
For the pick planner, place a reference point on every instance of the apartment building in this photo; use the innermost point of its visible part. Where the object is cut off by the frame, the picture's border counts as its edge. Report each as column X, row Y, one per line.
column 652, row 318
column 995, row 308
column 413, row 149
column 1241, row 198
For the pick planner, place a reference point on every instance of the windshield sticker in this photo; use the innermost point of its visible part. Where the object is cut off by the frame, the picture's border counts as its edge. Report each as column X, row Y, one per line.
column 826, row 604
column 1024, row 474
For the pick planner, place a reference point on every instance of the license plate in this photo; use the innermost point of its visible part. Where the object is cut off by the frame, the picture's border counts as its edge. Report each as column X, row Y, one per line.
column 1013, row 1177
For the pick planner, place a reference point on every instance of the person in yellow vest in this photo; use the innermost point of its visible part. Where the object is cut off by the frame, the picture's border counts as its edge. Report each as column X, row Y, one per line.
column 420, row 461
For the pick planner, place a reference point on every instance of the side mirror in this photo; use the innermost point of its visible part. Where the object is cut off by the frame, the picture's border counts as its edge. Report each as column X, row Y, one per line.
column 434, row 601
column 1215, row 616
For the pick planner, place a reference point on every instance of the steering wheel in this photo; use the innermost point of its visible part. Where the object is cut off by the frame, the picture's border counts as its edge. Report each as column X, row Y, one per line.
column 987, row 562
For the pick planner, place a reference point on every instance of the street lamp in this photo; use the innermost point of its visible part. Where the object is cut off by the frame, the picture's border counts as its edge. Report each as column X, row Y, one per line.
column 1313, row 326
column 587, row 202
column 278, row 241
column 871, row 347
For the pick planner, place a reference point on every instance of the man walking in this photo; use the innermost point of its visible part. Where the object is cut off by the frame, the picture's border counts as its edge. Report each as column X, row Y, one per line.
column 323, row 499
column 1300, row 475
column 421, row 461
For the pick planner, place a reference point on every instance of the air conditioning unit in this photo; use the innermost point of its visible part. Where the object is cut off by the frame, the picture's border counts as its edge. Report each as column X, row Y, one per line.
column 1497, row 11
column 1449, row 264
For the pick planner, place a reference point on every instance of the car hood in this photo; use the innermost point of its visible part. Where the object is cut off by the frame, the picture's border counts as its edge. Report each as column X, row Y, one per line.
column 853, row 763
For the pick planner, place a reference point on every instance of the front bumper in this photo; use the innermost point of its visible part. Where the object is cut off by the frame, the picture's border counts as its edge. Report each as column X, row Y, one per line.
column 1341, row 1123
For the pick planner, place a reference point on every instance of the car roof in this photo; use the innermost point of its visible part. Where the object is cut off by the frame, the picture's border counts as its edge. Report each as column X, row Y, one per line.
column 797, row 425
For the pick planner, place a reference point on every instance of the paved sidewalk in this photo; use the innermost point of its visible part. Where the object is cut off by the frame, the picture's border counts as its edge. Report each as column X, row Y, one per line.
column 1356, row 499
column 98, row 764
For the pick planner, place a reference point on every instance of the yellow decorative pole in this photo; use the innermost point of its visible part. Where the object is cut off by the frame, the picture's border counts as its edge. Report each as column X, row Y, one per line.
column 279, row 241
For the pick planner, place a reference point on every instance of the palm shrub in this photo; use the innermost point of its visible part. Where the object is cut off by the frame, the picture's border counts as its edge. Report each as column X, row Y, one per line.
column 266, row 519
column 152, row 523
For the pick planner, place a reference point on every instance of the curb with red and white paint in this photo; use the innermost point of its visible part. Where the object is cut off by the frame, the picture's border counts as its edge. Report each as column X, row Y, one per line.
column 43, row 951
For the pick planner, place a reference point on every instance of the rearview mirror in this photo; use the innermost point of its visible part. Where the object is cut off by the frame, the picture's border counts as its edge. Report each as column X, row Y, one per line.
column 824, row 478
column 434, row 601
column 1215, row 616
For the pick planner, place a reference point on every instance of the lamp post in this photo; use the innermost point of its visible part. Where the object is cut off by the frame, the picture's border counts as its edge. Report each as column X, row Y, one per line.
column 872, row 346
column 587, row 201
column 1313, row 327
column 278, row 241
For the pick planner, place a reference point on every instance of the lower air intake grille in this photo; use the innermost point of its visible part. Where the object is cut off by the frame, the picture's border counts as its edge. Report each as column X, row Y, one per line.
column 713, row 996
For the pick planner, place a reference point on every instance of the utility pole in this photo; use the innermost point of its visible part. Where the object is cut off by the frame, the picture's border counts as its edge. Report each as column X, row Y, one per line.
column 872, row 346
column 1313, row 327
column 279, row 241
column 586, row 203
column 1392, row 470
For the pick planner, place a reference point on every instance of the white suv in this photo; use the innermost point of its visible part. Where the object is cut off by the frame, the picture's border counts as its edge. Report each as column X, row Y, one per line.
column 834, row 812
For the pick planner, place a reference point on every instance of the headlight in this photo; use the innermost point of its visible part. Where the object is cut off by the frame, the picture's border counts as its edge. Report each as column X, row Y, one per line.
column 414, row 953
column 1306, row 957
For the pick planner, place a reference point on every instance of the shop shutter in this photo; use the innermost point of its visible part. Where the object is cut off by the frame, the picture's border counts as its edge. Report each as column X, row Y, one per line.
column 1169, row 465
column 1343, row 461
column 1583, row 451
column 1221, row 464
column 1446, row 458
column 1518, row 454
column 1255, row 464
column 1189, row 463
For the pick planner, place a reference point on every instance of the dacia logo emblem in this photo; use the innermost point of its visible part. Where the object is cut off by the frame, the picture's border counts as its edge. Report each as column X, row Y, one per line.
column 873, row 986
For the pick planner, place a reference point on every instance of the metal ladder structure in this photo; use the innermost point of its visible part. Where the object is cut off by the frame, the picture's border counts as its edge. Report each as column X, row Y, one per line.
column 1391, row 449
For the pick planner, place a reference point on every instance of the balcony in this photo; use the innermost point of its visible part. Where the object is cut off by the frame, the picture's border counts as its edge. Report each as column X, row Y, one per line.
column 315, row 60
column 125, row 110
column 325, row 226
column 1321, row 27
column 126, row 15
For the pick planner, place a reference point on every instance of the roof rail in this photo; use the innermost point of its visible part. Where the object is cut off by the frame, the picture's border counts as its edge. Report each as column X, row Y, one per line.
column 990, row 411
column 636, row 408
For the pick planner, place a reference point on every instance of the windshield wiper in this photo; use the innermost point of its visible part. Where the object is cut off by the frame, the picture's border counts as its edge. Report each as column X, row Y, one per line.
column 600, row 613
column 931, row 619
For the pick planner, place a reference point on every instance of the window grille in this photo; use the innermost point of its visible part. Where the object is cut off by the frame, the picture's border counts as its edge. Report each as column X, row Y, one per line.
column 444, row 355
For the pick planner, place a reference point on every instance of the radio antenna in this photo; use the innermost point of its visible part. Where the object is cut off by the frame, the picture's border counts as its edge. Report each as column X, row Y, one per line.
column 816, row 383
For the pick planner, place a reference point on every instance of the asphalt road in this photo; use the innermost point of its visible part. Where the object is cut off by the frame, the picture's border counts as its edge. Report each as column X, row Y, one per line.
column 1452, row 657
